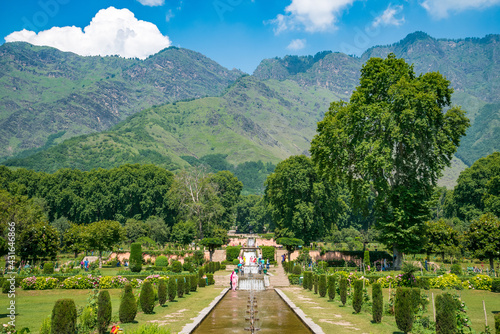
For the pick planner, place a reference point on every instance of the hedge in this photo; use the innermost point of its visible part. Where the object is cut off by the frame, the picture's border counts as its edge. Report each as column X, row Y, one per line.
column 294, row 279
column 357, row 297
column 268, row 252
column 232, row 252
column 135, row 261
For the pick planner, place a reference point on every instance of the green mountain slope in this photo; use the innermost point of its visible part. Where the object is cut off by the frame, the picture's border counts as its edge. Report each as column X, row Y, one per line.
column 44, row 91
column 252, row 121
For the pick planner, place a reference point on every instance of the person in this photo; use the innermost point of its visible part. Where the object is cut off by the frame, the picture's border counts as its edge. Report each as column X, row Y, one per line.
column 234, row 280
column 231, row 280
column 267, row 264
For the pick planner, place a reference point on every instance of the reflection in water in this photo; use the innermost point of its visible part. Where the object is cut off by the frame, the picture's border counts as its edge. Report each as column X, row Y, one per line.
column 274, row 315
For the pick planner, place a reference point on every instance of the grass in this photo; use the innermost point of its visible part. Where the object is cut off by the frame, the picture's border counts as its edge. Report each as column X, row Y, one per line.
column 34, row 306
column 334, row 318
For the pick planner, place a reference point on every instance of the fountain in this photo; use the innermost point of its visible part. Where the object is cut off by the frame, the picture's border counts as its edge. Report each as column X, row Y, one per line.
column 250, row 277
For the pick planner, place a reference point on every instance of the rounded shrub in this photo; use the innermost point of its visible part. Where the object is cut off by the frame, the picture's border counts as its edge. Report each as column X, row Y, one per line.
column 403, row 309
column 193, row 279
column 63, row 317
column 128, row 305
column 446, row 322
column 187, row 266
column 343, row 290
column 135, row 261
column 357, row 297
column 177, row 267
column 162, row 291
column 297, row 270
column 210, row 279
column 201, row 282
column 322, row 285
column 201, row 272
column 236, row 262
column 147, row 298
column 377, row 303
column 104, row 311
column 456, row 269
column 172, row 289
column 161, row 261
column 331, row 287
column 48, row 268
column 180, row 286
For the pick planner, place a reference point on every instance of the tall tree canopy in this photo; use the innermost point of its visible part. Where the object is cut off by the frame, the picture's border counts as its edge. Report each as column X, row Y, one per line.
column 301, row 201
column 393, row 136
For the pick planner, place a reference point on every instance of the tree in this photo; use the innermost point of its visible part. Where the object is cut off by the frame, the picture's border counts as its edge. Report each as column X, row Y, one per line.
column 38, row 240
column 103, row 236
column 441, row 238
column 135, row 229
column 228, row 190
column 290, row 244
column 157, row 229
column 300, row 200
column 393, row 137
column 211, row 244
column 184, row 232
column 74, row 239
column 483, row 238
column 477, row 188
column 195, row 197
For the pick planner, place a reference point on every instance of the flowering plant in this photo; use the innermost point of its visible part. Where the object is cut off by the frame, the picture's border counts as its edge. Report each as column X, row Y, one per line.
column 39, row 283
column 481, row 282
column 109, row 282
column 80, row 282
column 392, row 280
column 446, row 281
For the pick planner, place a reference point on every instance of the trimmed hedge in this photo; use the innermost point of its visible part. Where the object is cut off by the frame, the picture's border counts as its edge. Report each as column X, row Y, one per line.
column 161, row 261
column 128, row 305
column 162, row 292
column 135, row 261
column 180, row 286
column 357, row 297
column 268, row 252
column 331, row 287
column 297, row 270
column 177, row 266
column 210, row 279
column 403, row 309
column 446, row 322
column 193, row 280
column 201, row 282
column 48, row 268
column 377, row 303
column 343, row 290
column 294, row 279
column 147, row 297
column 497, row 323
column 187, row 285
column 104, row 311
column 322, row 285
column 315, row 282
column 172, row 289
column 495, row 285
column 63, row 317
column 305, row 283
column 232, row 252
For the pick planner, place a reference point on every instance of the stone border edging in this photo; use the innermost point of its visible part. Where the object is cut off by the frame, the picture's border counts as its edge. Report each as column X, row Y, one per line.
column 298, row 311
column 189, row 328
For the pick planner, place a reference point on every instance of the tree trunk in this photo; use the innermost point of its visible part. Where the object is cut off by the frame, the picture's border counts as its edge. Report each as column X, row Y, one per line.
column 100, row 259
column 491, row 263
column 211, row 253
column 397, row 258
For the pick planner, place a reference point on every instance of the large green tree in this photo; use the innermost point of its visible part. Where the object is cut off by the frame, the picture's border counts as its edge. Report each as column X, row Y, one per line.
column 395, row 136
column 103, row 236
column 301, row 201
column 39, row 240
column 441, row 238
column 483, row 238
column 228, row 190
column 74, row 239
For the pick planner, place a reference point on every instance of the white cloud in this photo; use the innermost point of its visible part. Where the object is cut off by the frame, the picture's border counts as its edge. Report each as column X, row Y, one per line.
column 388, row 18
column 297, row 44
column 169, row 15
column 442, row 8
column 312, row 15
column 152, row 3
column 111, row 32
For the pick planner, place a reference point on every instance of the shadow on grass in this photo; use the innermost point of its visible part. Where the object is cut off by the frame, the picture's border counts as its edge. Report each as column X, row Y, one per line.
column 6, row 315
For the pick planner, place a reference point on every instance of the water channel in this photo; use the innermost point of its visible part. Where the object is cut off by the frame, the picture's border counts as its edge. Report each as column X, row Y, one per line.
column 231, row 316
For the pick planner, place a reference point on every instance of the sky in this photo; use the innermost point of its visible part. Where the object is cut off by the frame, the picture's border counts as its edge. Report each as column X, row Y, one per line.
column 239, row 33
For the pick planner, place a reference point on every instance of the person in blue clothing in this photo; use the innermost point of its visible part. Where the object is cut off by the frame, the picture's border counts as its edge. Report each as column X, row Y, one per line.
column 267, row 264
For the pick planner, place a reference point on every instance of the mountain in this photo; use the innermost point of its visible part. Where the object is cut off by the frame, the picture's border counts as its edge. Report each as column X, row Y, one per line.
column 44, row 91
column 267, row 116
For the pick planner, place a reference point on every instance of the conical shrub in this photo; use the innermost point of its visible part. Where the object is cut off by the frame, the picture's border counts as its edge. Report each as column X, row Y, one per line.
column 322, row 285
column 104, row 310
column 147, row 297
column 180, row 286
column 331, row 287
column 357, row 297
column 378, row 302
column 64, row 315
column 343, row 290
column 128, row 305
column 187, row 285
column 162, row 292
column 446, row 322
column 194, row 282
column 172, row 289
column 403, row 309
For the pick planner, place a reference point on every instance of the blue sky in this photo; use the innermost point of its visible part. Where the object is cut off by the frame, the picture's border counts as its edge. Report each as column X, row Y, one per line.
column 239, row 33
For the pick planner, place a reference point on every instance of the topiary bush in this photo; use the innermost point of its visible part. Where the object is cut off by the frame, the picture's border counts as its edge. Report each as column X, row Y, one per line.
column 135, row 261
column 315, row 282
column 63, row 317
column 48, row 268
column 201, row 272
column 377, row 302
column 104, row 311
column 357, row 297
column 236, row 262
column 147, row 297
column 268, row 252
column 193, row 279
column 162, row 291
column 161, row 261
column 343, row 290
column 232, row 252
column 210, row 279
column 172, row 289
column 297, row 270
column 201, row 282
column 128, row 305
column 188, row 266
column 176, row 267
column 495, row 285
column 305, row 284
column 446, row 322
column 322, row 285
column 331, row 287
column 456, row 269
column 497, row 323
column 180, row 286
column 187, row 285
column 403, row 309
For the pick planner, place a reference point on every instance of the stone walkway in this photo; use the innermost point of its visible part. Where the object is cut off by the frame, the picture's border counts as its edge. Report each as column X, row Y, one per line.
column 278, row 278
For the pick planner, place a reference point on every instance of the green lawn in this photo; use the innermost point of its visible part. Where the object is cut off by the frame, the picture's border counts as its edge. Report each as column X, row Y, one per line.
column 34, row 306
column 334, row 318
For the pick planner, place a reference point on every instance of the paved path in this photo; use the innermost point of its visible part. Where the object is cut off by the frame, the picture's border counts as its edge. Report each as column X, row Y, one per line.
column 278, row 278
